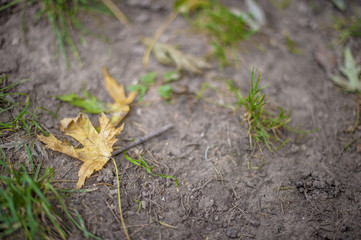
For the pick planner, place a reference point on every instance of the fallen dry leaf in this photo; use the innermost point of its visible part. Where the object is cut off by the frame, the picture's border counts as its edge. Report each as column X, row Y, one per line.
column 97, row 147
column 89, row 103
column 169, row 55
column 120, row 107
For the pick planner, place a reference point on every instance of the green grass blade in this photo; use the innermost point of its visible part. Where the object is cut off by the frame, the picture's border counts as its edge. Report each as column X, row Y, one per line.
column 142, row 163
column 59, row 37
column 10, row 4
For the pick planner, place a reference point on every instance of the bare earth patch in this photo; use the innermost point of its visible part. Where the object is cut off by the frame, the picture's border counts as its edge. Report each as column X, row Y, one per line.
column 310, row 189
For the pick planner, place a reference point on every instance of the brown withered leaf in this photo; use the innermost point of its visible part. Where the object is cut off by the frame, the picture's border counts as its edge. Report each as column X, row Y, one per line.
column 169, row 55
column 97, row 146
column 120, row 107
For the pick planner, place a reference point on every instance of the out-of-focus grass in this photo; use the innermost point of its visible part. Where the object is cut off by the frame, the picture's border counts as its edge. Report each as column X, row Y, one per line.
column 27, row 197
column 63, row 15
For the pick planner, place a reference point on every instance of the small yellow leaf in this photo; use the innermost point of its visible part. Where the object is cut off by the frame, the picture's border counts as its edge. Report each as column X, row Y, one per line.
column 120, row 107
column 97, row 147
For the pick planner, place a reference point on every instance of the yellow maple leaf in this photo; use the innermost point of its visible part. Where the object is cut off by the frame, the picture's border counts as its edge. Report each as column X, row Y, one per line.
column 97, row 146
column 120, row 107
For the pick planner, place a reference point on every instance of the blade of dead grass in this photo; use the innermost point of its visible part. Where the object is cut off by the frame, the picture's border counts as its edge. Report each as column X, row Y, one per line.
column 157, row 35
column 352, row 129
column 119, row 201
column 116, row 11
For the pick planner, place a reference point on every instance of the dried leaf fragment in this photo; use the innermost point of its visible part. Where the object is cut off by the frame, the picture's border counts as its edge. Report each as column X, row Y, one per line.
column 351, row 71
column 120, row 107
column 169, row 55
column 97, row 146
column 89, row 103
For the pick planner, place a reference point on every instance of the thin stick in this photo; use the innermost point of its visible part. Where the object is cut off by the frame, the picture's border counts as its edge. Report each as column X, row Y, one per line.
column 143, row 139
column 111, row 210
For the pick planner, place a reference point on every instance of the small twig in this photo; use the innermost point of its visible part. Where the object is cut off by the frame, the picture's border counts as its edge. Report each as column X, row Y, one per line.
column 143, row 139
column 357, row 118
column 111, row 210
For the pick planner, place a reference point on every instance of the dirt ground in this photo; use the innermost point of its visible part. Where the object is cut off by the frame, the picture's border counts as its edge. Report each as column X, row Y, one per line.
column 310, row 189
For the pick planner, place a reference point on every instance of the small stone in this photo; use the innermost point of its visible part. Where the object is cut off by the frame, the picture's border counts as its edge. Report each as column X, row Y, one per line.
column 299, row 184
column 294, row 148
column 206, row 202
column 15, row 41
column 231, row 233
column 255, row 223
column 113, row 192
column 344, row 228
column 319, row 184
column 308, row 184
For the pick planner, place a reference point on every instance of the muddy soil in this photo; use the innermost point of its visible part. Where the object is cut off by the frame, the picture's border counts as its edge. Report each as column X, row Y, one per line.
column 310, row 189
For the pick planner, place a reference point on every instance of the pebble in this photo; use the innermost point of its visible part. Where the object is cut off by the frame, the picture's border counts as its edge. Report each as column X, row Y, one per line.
column 299, row 184
column 344, row 228
column 206, row 202
column 319, row 184
column 254, row 223
column 294, row 148
column 232, row 233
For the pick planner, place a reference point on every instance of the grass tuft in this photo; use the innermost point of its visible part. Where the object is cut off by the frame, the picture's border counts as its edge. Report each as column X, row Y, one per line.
column 225, row 29
column 27, row 197
column 348, row 27
column 263, row 126
column 20, row 117
column 26, row 204
column 63, row 16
